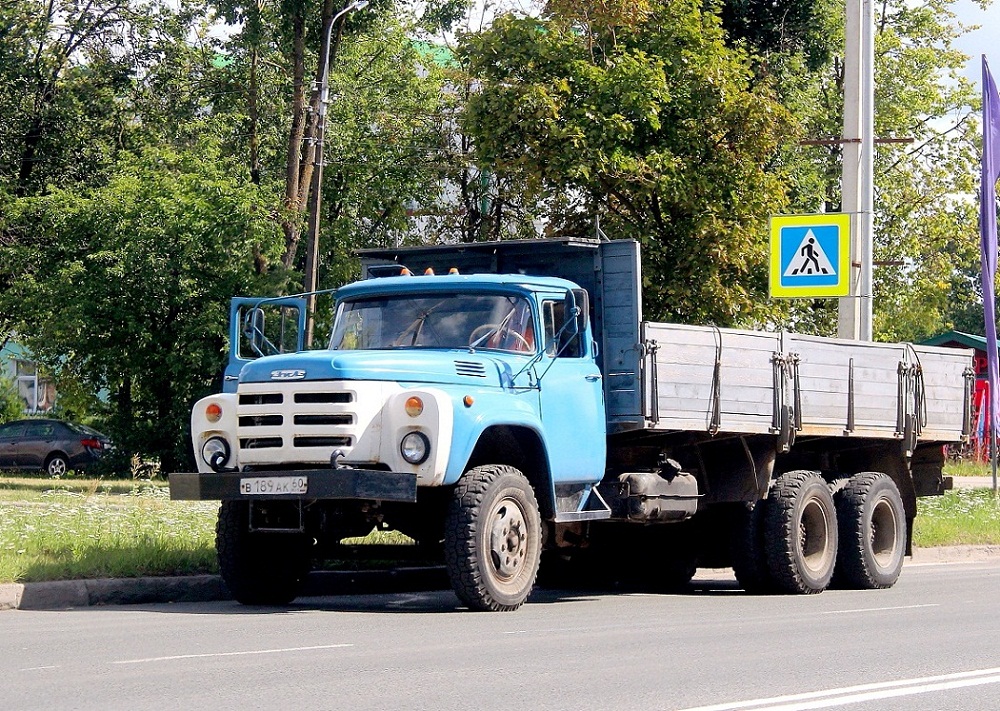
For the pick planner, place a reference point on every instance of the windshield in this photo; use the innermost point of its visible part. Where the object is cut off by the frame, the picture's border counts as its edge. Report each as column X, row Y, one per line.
column 494, row 322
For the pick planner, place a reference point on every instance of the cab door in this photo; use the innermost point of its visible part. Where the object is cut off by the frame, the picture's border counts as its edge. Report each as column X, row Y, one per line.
column 571, row 397
column 260, row 326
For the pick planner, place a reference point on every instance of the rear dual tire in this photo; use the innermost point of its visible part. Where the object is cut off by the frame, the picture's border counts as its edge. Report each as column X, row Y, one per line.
column 800, row 533
column 802, row 538
column 872, row 524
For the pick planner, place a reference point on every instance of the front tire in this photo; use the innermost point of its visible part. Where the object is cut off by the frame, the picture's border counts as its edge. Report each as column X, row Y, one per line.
column 800, row 532
column 872, row 527
column 260, row 568
column 493, row 538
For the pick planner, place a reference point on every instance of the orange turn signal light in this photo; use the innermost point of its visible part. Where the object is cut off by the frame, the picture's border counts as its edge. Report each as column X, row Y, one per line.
column 213, row 413
column 414, row 406
column 467, row 401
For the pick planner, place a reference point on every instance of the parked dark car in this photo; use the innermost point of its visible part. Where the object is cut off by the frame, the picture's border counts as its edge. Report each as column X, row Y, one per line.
column 51, row 445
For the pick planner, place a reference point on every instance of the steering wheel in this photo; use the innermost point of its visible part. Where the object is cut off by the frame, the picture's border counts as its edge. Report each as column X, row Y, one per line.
column 479, row 333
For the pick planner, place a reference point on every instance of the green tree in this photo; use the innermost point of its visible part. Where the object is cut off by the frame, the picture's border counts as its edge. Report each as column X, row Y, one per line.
column 11, row 404
column 926, row 236
column 64, row 69
column 926, row 252
column 639, row 113
column 125, row 287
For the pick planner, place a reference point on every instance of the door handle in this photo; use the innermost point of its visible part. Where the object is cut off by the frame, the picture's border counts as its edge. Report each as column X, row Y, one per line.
column 593, row 378
column 231, row 377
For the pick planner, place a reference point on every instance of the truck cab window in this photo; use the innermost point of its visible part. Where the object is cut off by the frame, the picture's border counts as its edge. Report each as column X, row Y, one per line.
column 568, row 345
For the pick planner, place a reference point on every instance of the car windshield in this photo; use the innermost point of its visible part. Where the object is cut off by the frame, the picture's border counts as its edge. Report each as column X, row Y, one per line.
column 489, row 321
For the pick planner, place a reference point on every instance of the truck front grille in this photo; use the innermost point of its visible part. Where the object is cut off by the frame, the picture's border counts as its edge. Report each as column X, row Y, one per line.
column 260, row 442
column 261, row 420
column 322, row 441
column 261, row 399
column 319, row 398
column 324, row 419
column 296, row 423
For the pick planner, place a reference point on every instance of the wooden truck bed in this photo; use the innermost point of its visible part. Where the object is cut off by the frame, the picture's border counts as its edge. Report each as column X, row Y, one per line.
column 714, row 380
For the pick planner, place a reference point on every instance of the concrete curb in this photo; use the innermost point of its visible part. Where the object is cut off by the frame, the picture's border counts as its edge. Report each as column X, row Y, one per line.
column 69, row 594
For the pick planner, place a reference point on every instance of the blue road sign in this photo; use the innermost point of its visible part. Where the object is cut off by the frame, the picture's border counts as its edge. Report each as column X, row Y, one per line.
column 810, row 255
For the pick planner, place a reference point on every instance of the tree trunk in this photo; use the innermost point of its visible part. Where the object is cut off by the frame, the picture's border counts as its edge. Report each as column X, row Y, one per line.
column 302, row 147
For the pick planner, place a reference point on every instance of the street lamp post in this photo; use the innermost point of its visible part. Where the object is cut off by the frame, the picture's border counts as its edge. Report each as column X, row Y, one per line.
column 312, row 251
column 857, row 187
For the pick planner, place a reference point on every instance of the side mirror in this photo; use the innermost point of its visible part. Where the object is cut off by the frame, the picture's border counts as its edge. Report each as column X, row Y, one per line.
column 583, row 304
column 571, row 324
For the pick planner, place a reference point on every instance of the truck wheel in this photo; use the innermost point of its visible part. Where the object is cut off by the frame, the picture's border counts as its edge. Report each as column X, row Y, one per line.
column 747, row 546
column 800, row 532
column 872, row 527
column 259, row 568
column 493, row 538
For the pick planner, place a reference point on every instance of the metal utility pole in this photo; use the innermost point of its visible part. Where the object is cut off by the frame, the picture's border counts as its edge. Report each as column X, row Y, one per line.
column 857, row 189
column 312, row 248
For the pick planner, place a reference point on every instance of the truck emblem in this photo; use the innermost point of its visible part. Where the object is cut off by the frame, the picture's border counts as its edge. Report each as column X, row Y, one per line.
column 288, row 374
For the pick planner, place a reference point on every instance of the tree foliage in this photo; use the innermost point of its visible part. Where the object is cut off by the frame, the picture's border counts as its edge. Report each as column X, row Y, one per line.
column 639, row 113
column 133, row 280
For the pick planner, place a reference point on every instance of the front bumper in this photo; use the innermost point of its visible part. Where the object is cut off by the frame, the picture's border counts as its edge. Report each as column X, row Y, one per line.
column 367, row 484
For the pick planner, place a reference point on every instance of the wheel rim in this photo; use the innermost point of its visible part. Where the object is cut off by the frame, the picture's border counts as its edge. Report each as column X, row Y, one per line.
column 883, row 534
column 508, row 540
column 814, row 537
column 57, row 467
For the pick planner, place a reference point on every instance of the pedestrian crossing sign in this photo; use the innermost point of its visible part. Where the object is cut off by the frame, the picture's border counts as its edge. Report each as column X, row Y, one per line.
column 810, row 255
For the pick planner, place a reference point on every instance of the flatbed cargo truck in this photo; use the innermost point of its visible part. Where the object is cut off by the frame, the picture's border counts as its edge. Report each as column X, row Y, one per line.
column 518, row 413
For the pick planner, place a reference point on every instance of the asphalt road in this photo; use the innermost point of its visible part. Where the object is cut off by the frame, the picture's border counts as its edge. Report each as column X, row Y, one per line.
column 931, row 642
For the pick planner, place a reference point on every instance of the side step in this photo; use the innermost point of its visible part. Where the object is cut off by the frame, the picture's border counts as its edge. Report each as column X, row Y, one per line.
column 592, row 507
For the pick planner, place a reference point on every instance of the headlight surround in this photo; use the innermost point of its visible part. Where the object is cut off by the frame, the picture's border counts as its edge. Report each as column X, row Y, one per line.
column 415, row 447
column 216, row 452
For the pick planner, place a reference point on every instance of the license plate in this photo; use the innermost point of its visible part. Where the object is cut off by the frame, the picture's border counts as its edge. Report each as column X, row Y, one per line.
column 272, row 485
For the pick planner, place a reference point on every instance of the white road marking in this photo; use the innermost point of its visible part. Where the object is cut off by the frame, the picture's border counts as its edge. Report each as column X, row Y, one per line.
column 880, row 609
column 862, row 693
column 39, row 668
column 232, row 654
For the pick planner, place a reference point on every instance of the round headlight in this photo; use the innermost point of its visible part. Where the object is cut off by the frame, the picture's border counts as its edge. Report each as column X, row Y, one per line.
column 415, row 447
column 215, row 452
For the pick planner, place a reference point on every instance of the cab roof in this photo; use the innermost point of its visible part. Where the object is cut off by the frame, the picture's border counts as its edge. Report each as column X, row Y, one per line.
column 424, row 283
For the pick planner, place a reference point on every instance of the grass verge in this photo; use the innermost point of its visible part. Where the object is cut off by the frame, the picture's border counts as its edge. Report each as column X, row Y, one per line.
column 960, row 517
column 80, row 528
column 72, row 529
